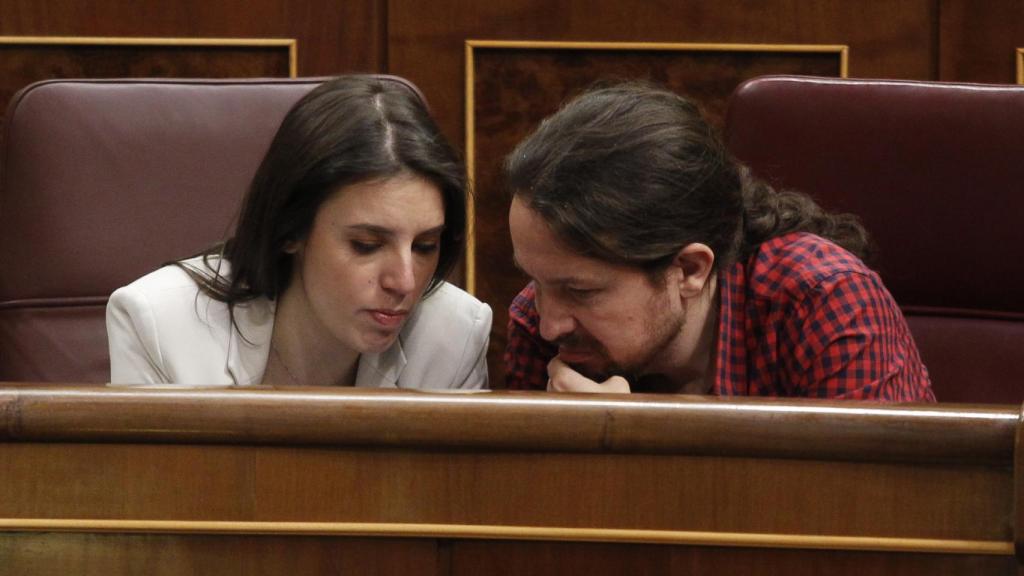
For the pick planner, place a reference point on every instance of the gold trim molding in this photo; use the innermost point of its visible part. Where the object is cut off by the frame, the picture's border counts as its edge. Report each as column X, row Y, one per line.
column 839, row 49
column 534, row 533
column 290, row 43
column 1020, row 65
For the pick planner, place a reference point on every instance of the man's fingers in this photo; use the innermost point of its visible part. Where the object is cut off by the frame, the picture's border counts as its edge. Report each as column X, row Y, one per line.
column 562, row 378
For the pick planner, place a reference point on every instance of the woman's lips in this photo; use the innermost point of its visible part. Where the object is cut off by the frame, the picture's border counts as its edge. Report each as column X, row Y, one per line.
column 389, row 318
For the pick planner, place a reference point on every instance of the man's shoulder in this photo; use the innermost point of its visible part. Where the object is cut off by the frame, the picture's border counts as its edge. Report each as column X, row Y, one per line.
column 524, row 302
column 797, row 262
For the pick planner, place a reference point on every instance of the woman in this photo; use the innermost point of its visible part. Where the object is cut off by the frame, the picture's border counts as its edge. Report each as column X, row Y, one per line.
column 355, row 215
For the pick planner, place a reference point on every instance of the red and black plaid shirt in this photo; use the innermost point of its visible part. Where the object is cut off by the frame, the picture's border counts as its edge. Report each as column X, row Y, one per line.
column 800, row 318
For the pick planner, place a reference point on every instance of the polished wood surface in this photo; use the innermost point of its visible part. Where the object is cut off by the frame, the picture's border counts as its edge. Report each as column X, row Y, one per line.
column 500, row 482
column 639, row 423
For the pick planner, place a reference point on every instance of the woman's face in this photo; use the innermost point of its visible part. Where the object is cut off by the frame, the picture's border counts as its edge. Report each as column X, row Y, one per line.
column 370, row 254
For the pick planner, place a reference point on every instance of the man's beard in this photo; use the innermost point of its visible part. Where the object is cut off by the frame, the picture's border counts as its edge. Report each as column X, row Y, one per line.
column 607, row 368
column 658, row 336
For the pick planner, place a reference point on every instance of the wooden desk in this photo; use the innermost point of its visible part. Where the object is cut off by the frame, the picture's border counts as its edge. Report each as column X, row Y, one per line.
column 328, row 481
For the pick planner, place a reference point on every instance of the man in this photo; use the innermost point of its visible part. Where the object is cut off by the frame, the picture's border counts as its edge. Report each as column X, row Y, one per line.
column 660, row 264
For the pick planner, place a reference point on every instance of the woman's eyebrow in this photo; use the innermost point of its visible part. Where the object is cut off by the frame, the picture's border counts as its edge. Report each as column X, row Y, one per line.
column 371, row 228
column 383, row 231
column 436, row 230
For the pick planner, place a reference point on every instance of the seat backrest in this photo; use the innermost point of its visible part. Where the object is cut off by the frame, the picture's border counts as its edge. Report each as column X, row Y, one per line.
column 936, row 173
column 102, row 181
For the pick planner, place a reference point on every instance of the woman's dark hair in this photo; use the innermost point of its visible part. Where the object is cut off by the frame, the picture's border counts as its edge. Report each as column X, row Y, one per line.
column 348, row 130
column 631, row 173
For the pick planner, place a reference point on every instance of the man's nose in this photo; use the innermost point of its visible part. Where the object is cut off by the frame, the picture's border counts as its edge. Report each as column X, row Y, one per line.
column 556, row 320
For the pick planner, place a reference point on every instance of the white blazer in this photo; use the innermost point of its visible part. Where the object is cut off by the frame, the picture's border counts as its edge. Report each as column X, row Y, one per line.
column 163, row 329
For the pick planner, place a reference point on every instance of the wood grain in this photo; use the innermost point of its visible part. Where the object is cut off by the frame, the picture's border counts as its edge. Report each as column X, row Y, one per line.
column 310, row 471
column 596, row 423
column 979, row 41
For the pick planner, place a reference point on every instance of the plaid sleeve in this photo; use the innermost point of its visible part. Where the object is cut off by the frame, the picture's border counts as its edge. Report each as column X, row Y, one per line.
column 527, row 354
column 853, row 343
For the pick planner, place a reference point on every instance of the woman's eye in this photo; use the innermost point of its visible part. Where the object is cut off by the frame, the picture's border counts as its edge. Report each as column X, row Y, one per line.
column 364, row 247
column 425, row 247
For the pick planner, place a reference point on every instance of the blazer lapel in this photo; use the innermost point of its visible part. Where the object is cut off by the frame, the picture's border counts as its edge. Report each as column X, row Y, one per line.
column 381, row 370
column 247, row 357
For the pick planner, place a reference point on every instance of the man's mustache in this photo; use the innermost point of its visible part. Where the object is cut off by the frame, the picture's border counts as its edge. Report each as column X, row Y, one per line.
column 575, row 341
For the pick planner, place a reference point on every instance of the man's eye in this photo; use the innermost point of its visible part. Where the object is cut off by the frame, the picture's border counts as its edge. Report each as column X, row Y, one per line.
column 364, row 247
column 425, row 247
column 581, row 293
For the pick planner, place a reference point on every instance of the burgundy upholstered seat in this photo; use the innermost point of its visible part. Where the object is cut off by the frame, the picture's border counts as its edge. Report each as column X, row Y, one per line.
column 936, row 173
column 102, row 181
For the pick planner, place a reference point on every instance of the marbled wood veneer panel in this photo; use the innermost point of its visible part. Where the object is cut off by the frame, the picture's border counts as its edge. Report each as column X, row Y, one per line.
column 515, row 88
column 22, row 64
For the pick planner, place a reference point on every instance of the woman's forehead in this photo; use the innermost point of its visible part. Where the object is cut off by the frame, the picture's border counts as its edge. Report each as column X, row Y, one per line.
column 400, row 203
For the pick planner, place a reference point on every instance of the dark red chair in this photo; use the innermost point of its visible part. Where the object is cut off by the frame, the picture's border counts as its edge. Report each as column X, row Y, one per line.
column 101, row 181
column 936, row 172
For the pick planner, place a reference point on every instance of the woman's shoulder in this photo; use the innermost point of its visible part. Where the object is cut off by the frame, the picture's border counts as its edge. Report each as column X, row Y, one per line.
column 445, row 341
column 451, row 306
column 174, row 275
column 447, row 315
column 169, row 288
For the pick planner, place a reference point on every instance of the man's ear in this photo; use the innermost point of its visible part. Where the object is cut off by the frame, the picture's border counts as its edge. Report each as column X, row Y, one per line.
column 694, row 263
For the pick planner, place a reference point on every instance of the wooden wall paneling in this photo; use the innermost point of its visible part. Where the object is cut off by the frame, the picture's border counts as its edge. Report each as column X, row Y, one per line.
column 548, row 483
column 332, row 37
column 27, row 59
column 558, row 558
column 56, row 554
column 979, row 39
column 888, row 39
column 684, row 499
column 512, row 86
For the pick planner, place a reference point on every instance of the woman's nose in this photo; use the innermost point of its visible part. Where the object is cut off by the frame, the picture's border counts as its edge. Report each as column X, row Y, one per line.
column 399, row 275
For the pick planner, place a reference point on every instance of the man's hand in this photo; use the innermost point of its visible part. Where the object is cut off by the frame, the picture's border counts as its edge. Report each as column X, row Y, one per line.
column 562, row 378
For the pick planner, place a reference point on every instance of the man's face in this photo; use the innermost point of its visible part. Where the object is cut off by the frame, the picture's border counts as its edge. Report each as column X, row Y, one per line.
column 606, row 319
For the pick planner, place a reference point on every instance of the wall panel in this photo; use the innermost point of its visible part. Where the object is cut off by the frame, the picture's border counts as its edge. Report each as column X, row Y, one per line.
column 889, row 39
column 24, row 60
column 979, row 40
column 332, row 37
